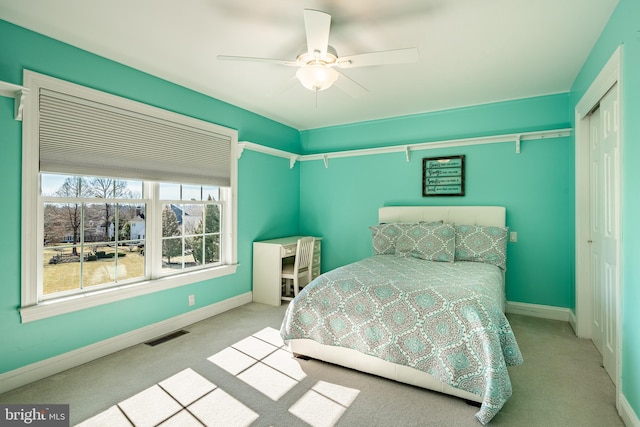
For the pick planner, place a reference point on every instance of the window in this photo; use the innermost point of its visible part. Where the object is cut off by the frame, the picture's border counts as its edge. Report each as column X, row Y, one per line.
column 100, row 221
column 87, row 244
column 191, row 224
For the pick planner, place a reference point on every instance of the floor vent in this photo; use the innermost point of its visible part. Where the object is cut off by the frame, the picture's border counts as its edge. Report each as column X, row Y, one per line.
column 166, row 338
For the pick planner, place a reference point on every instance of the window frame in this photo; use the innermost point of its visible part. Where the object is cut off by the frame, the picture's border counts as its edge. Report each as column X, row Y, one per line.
column 32, row 306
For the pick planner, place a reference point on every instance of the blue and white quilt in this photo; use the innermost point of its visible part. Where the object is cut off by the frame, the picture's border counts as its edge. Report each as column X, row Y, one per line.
column 442, row 318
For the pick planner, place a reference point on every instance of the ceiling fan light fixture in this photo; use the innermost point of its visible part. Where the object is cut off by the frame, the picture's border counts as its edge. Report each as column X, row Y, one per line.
column 316, row 76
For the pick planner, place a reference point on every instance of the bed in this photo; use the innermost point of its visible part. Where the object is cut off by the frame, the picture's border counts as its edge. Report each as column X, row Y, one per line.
column 419, row 311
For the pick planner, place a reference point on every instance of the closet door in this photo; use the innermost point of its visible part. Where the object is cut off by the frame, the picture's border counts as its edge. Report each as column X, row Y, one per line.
column 596, row 215
column 605, row 228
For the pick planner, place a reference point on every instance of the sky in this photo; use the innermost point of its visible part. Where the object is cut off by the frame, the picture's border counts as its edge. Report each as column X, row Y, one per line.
column 50, row 183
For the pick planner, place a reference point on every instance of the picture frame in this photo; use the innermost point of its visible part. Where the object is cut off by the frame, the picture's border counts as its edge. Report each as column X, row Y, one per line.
column 443, row 176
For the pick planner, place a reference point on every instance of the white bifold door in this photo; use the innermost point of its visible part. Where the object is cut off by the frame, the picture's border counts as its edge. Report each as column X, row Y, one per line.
column 605, row 227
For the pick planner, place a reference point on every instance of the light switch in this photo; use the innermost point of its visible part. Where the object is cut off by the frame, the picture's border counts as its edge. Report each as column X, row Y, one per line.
column 513, row 236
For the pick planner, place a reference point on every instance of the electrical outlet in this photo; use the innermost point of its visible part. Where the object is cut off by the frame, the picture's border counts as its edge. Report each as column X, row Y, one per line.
column 513, row 236
column 192, row 300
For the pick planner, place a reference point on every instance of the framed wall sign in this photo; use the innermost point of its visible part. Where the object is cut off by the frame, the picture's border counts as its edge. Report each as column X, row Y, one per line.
column 443, row 176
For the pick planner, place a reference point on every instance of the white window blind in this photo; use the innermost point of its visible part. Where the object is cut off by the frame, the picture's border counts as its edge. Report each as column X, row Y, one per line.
column 91, row 137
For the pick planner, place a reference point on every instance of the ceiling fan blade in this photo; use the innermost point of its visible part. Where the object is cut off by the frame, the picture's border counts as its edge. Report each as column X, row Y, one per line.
column 253, row 59
column 317, row 25
column 350, row 87
column 396, row 56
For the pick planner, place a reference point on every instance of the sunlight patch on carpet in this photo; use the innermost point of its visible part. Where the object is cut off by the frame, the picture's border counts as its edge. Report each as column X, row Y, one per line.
column 261, row 361
column 324, row 404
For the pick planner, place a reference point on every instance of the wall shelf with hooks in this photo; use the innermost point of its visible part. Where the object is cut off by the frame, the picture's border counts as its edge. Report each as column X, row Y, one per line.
column 517, row 138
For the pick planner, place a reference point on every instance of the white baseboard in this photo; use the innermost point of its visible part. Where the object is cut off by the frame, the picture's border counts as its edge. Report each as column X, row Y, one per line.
column 628, row 415
column 573, row 321
column 535, row 310
column 45, row 368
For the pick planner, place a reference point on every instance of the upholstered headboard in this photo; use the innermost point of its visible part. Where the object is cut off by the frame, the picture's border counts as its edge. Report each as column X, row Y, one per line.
column 469, row 215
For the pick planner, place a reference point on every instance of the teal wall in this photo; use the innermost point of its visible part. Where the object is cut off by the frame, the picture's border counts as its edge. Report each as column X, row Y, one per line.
column 536, row 186
column 624, row 29
column 484, row 120
column 266, row 184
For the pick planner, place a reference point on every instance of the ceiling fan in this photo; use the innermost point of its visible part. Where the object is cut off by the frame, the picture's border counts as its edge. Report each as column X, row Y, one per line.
column 317, row 66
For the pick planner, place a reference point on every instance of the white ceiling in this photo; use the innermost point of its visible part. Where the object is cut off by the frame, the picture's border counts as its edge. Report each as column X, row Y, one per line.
column 471, row 51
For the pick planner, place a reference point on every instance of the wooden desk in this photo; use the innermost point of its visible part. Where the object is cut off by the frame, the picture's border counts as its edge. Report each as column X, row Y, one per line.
column 268, row 256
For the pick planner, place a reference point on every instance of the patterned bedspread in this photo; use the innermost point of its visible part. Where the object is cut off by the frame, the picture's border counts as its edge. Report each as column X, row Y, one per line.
column 445, row 319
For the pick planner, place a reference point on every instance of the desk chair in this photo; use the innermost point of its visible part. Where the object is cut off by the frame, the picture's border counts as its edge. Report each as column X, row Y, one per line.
column 301, row 266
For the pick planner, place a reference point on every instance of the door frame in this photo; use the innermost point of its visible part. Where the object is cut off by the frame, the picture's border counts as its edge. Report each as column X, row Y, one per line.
column 609, row 76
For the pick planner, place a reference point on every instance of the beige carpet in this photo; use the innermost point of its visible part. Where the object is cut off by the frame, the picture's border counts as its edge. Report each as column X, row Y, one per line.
column 230, row 370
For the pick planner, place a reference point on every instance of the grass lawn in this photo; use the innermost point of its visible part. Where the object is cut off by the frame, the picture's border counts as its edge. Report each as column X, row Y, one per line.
column 65, row 276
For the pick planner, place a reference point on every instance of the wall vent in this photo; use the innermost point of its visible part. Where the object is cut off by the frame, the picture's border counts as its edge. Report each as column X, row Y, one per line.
column 166, row 338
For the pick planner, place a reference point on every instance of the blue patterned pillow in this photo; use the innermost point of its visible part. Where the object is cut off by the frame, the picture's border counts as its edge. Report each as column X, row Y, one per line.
column 482, row 244
column 429, row 241
column 385, row 236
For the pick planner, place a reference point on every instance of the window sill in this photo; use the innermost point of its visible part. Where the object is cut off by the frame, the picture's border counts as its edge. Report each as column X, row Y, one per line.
column 59, row 306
